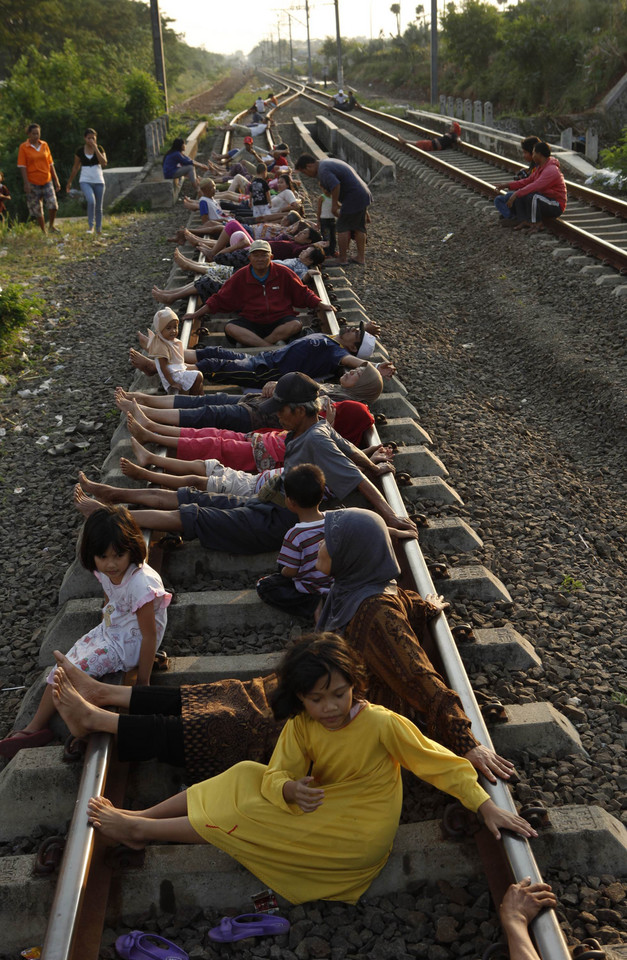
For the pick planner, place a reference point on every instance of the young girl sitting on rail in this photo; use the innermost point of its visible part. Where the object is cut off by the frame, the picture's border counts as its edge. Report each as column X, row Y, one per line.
column 133, row 617
column 169, row 355
column 336, row 765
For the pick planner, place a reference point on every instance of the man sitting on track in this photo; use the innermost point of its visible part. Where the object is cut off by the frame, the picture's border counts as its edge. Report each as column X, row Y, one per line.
column 448, row 139
column 263, row 295
column 258, row 524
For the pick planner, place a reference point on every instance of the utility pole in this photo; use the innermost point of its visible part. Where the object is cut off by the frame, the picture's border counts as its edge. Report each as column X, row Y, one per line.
column 340, row 71
column 289, row 20
column 309, row 76
column 278, row 30
column 157, row 46
column 434, row 51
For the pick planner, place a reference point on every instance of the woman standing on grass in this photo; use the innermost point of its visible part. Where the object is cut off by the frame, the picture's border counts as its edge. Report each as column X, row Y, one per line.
column 91, row 160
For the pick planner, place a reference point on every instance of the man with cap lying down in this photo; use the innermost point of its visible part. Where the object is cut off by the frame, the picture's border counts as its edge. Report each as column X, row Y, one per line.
column 317, row 355
column 257, row 524
column 263, row 295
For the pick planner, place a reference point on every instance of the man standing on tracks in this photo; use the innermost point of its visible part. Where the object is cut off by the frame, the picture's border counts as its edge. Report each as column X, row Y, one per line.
column 350, row 198
column 35, row 163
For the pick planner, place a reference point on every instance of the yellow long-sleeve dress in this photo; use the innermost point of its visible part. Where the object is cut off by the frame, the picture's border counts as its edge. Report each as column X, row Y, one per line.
column 335, row 852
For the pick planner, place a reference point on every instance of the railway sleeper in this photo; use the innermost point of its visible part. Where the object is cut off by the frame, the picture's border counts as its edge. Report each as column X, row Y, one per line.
column 583, row 840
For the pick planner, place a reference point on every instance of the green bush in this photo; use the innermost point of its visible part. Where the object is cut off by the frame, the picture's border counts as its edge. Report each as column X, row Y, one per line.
column 17, row 308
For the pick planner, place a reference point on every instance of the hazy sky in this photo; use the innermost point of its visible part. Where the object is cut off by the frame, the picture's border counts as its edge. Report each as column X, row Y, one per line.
column 224, row 28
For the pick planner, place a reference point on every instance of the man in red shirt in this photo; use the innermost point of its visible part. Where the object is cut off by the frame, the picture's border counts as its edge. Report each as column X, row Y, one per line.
column 36, row 165
column 263, row 295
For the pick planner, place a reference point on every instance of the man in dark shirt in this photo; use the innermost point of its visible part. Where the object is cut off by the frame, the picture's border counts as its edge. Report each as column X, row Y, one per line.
column 350, row 199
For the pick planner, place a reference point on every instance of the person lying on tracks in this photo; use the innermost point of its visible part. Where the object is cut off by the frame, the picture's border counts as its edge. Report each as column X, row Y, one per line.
column 315, row 354
column 233, row 236
column 542, row 195
column 447, row 140
column 337, row 756
column 246, row 155
column 243, row 413
column 201, row 726
column 167, row 351
column 500, row 202
column 287, row 245
column 133, row 617
column 521, row 904
column 298, row 586
column 214, row 275
column 212, row 450
column 259, row 524
column 211, row 213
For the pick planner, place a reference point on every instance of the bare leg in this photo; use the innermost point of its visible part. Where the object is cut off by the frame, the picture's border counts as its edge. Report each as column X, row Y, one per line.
column 170, row 296
column 285, row 331
column 186, row 264
column 171, row 481
column 153, row 498
column 145, row 364
column 81, row 716
column 168, row 438
column 343, row 240
column 168, row 464
column 246, row 337
column 164, row 417
column 146, row 399
column 84, row 504
column 95, row 692
column 199, row 386
column 45, row 712
column 136, row 831
column 360, row 240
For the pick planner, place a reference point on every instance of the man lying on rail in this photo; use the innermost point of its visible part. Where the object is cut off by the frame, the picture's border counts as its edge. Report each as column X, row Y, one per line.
column 258, row 524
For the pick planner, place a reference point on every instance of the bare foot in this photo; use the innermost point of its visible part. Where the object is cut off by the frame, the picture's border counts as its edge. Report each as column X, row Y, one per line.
column 88, row 688
column 142, row 363
column 114, row 824
column 191, row 237
column 84, row 504
column 78, row 714
column 130, row 469
column 180, row 259
column 143, row 456
column 163, row 296
column 143, row 339
column 100, row 490
column 179, row 236
column 136, row 430
column 141, row 417
column 123, row 400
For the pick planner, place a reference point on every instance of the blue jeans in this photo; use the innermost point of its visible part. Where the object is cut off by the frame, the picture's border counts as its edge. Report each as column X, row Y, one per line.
column 219, row 365
column 94, row 193
column 500, row 203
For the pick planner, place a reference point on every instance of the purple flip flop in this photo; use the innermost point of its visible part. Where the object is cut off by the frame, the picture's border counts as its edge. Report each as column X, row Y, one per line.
column 148, row 946
column 249, row 925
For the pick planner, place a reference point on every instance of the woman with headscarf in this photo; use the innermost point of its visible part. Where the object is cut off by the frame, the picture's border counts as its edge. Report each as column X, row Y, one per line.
column 208, row 727
column 168, row 353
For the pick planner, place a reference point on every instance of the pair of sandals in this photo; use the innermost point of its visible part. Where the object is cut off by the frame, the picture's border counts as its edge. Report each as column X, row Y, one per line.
column 150, row 946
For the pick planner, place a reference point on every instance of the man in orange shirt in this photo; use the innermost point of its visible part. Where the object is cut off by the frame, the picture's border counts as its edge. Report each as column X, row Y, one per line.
column 36, row 165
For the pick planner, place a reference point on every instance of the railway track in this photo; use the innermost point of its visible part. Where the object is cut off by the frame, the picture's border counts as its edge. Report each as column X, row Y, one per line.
column 237, row 613
column 594, row 222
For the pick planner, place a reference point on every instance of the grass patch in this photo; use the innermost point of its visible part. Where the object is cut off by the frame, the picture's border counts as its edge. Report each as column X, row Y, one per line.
column 27, row 260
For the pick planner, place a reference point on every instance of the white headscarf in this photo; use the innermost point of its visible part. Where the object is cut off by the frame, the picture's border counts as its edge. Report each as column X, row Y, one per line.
column 170, row 350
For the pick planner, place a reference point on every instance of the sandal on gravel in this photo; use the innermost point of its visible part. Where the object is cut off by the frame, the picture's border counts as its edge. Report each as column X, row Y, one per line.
column 249, row 925
column 21, row 740
column 148, row 946
column 85, row 426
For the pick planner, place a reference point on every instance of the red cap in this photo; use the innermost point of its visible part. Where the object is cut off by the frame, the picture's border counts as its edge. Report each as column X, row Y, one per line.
column 248, row 140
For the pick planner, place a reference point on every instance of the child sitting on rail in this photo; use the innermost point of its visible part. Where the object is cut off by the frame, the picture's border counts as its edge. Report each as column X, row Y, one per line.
column 448, row 139
column 298, row 586
column 337, row 762
column 168, row 353
column 133, row 617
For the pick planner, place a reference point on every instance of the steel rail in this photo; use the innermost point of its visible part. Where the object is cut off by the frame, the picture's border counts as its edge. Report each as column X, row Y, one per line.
column 545, row 927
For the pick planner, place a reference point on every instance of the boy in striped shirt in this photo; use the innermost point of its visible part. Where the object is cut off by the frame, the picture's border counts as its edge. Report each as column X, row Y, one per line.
column 298, row 587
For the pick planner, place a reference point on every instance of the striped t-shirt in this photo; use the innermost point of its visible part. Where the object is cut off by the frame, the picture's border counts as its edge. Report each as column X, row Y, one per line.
column 300, row 550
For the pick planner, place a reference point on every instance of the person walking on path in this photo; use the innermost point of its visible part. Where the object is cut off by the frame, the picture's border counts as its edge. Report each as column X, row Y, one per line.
column 35, row 163
column 350, row 199
column 91, row 160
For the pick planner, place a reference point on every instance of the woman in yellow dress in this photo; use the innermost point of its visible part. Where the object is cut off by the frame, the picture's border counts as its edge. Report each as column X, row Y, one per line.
column 317, row 822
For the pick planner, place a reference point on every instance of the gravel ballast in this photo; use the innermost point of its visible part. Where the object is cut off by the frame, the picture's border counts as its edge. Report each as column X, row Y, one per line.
column 516, row 365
